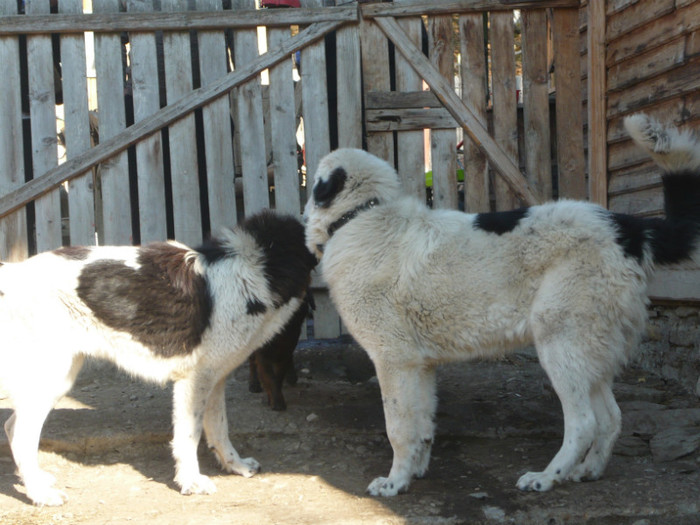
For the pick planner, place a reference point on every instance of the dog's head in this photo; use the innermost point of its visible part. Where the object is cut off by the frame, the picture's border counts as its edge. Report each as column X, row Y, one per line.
column 346, row 181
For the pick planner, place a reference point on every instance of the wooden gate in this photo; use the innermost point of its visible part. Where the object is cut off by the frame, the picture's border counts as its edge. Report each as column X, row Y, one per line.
column 201, row 111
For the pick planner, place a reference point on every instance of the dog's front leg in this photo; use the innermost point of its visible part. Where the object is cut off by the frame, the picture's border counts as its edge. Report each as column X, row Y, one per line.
column 409, row 399
column 216, row 431
column 189, row 403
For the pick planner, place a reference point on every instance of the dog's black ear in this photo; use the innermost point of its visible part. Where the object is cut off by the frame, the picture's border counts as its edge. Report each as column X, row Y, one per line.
column 326, row 190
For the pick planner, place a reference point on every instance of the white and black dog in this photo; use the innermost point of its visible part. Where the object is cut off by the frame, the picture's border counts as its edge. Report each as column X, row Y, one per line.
column 163, row 312
column 418, row 287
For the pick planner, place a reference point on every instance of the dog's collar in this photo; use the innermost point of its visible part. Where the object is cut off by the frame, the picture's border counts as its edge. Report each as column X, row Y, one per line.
column 348, row 216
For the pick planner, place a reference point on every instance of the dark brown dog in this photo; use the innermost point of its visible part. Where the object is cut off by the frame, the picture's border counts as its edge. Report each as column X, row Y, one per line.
column 274, row 361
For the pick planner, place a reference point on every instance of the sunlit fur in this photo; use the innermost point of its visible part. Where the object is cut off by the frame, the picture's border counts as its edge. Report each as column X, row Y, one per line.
column 418, row 287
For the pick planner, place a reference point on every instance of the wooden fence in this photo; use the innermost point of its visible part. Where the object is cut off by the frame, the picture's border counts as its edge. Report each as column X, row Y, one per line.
column 195, row 124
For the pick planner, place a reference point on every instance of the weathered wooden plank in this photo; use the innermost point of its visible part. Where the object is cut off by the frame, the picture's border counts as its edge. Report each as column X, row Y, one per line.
column 428, row 7
column 314, row 94
column 635, row 16
column 675, row 83
column 184, row 171
column 537, row 138
column 654, row 34
column 569, row 115
column 283, row 129
column 474, row 94
column 349, row 76
column 597, row 123
column 654, row 62
column 505, row 110
column 402, row 99
column 135, row 133
column 648, row 202
column 216, row 120
column 149, row 152
column 114, row 173
column 443, row 143
column 375, row 64
column 410, row 144
column 462, row 114
column 81, row 199
column 13, row 228
column 409, row 119
column 42, row 110
column 249, row 120
column 635, row 178
column 173, row 21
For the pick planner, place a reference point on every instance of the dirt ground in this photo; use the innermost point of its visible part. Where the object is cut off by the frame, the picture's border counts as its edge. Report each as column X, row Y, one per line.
column 107, row 444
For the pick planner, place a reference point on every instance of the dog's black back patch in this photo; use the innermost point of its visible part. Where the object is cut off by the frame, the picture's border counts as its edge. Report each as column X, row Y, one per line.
column 287, row 262
column 74, row 253
column 326, row 190
column 500, row 222
column 164, row 304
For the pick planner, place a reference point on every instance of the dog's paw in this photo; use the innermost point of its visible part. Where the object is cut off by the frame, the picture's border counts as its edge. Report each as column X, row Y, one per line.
column 539, row 481
column 585, row 472
column 247, row 467
column 199, row 484
column 385, row 487
column 47, row 496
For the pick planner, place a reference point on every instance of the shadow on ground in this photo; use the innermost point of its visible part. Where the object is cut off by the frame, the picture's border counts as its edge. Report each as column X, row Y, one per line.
column 107, row 444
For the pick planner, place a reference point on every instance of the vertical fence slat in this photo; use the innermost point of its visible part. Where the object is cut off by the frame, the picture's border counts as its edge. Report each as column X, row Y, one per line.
column 410, row 144
column 249, row 121
column 536, row 103
column 349, row 77
column 42, row 109
column 505, row 116
column 314, row 96
column 114, row 173
column 569, row 109
column 474, row 84
column 375, row 65
column 443, row 142
column 149, row 151
column 597, row 122
column 184, row 172
column 283, row 130
column 216, row 117
column 13, row 228
column 81, row 199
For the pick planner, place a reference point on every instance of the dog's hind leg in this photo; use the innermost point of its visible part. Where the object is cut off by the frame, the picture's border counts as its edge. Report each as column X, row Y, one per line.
column 410, row 401
column 216, row 431
column 23, row 431
column 609, row 423
column 570, row 381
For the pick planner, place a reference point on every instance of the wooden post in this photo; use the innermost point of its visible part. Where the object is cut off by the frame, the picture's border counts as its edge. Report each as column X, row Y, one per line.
column 42, row 109
column 81, row 199
column 149, row 151
column 13, row 228
column 597, row 123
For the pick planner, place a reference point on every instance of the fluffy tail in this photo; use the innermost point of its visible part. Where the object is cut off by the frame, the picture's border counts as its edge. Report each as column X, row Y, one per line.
column 676, row 238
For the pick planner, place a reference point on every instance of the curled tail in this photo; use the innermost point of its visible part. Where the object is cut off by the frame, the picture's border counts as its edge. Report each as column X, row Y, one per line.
column 676, row 238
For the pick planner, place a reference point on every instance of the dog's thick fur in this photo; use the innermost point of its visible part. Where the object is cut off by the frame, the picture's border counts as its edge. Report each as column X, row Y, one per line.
column 418, row 287
column 162, row 312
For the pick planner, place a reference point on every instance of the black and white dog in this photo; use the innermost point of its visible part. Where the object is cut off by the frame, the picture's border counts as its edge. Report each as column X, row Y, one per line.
column 163, row 312
column 418, row 287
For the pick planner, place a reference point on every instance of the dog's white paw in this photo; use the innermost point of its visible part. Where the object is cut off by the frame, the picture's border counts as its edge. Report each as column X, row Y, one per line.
column 585, row 472
column 47, row 496
column 385, row 487
column 539, row 481
column 199, row 484
column 247, row 467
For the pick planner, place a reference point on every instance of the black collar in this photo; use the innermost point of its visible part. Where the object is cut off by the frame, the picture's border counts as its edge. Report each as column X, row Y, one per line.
column 346, row 217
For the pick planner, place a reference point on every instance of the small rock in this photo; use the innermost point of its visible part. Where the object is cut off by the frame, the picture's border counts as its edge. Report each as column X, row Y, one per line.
column 494, row 514
column 675, row 442
column 311, row 417
column 479, row 495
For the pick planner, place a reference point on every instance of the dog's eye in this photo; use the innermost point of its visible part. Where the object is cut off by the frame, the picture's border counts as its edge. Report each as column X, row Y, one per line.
column 319, row 247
